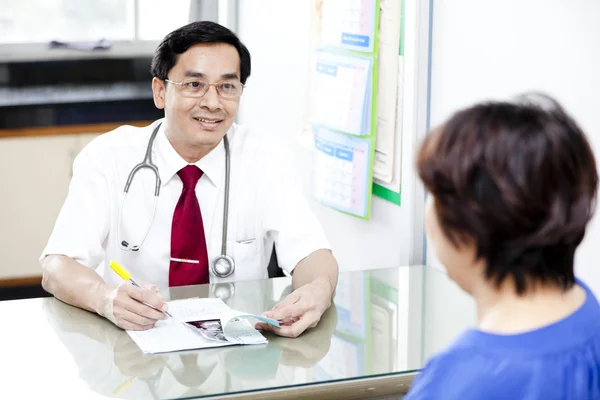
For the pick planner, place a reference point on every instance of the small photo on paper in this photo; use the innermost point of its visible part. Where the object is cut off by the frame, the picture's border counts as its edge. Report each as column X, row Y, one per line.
column 214, row 325
column 210, row 329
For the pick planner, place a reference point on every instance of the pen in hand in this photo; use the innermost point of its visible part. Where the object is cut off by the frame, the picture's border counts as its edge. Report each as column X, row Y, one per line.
column 122, row 272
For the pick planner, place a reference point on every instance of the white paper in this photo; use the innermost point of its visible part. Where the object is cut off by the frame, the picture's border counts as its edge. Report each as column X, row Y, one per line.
column 349, row 24
column 175, row 334
column 387, row 90
column 341, row 92
column 394, row 184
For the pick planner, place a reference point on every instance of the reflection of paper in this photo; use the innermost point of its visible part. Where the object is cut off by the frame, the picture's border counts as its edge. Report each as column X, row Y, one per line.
column 199, row 323
column 341, row 171
column 348, row 24
column 345, row 359
column 384, row 328
column 341, row 92
column 350, row 301
column 387, row 90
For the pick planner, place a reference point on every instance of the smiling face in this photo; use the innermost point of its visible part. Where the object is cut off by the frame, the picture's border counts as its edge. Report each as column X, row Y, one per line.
column 196, row 125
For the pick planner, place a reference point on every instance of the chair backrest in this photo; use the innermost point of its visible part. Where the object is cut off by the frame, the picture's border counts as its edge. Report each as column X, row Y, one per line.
column 273, row 266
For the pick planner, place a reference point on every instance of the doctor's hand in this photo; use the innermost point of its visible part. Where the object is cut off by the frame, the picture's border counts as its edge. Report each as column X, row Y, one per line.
column 301, row 309
column 125, row 307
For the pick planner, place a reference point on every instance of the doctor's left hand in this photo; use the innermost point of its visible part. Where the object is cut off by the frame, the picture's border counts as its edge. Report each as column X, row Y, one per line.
column 301, row 309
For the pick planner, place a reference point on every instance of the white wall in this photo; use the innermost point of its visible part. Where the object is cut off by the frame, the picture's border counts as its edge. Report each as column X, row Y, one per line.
column 481, row 49
column 277, row 34
column 496, row 49
column 278, row 39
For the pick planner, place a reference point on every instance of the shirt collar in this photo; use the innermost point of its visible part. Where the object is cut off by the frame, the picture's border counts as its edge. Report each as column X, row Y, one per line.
column 169, row 162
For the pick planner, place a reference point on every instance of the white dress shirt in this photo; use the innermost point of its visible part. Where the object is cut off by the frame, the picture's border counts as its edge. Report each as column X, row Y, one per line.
column 266, row 206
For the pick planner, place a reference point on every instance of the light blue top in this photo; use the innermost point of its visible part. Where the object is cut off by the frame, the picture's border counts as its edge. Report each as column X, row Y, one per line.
column 559, row 361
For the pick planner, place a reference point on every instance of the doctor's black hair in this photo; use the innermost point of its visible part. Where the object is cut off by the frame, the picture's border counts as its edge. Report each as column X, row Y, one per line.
column 519, row 181
column 178, row 41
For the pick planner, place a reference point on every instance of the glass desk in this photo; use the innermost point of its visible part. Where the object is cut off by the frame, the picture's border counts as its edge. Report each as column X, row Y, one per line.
column 383, row 326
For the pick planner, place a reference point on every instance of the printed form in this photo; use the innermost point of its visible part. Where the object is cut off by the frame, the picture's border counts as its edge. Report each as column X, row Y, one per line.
column 200, row 323
column 349, row 24
column 341, row 92
column 341, row 171
column 389, row 93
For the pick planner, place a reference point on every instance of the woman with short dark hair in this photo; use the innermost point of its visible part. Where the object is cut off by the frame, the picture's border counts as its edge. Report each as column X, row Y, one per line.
column 512, row 187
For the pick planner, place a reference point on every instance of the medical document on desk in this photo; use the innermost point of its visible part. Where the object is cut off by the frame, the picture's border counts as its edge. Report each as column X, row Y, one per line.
column 200, row 323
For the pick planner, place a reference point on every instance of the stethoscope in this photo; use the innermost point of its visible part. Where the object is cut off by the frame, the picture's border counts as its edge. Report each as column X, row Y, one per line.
column 222, row 265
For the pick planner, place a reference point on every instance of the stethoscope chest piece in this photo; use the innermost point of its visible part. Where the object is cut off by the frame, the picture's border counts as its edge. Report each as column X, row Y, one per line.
column 223, row 266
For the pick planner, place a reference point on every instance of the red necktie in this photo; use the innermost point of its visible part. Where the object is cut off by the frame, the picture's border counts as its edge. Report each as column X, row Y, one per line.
column 189, row 257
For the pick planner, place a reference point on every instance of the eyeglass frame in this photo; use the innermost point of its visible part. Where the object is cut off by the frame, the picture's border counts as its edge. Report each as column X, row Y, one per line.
column 180, row 84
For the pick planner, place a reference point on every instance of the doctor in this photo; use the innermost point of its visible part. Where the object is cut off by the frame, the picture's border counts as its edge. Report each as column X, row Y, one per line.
column 191, row 199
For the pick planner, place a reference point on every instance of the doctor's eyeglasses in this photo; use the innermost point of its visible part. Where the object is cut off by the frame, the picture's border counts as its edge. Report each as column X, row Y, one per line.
column 229, row 89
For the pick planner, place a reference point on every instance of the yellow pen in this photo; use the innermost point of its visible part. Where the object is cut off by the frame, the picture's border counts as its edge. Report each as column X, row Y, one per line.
column 122, row 272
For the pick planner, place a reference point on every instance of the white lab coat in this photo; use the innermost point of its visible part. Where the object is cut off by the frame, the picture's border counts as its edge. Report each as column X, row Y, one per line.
column 267, row 205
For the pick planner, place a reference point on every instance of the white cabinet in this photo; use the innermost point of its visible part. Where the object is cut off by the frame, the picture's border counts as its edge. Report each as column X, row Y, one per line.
column 34, row 180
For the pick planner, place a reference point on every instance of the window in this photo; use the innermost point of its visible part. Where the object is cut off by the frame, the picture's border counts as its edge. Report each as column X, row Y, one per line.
column 40, row 21
column 159, row 17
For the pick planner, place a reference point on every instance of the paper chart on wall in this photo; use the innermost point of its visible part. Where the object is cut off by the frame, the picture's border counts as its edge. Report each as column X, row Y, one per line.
column 341, row 92
column 388, row 91
column 348, row 24
column 341, row 171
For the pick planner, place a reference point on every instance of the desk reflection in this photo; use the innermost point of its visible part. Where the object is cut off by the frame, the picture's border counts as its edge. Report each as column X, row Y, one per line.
column 112, row 364
column 365, row 332
column 366, row 338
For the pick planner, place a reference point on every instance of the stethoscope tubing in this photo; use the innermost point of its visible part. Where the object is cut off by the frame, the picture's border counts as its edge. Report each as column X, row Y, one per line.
column 147, row 163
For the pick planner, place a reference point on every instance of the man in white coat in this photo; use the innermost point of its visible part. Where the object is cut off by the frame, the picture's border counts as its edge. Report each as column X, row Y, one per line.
column 174, row 238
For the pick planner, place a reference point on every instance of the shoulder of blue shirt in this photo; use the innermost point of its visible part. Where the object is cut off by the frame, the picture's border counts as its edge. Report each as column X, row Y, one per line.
column 456, row 373
column 463, row 371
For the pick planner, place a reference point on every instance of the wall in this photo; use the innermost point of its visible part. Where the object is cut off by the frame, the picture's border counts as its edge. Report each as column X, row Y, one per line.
column 496, row 49
column 275, row 102
column 480, row 50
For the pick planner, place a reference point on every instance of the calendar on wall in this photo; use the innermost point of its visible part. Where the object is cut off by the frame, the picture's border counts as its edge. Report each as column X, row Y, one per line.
column 357, row 89
column 341, row 171
column 343, row 103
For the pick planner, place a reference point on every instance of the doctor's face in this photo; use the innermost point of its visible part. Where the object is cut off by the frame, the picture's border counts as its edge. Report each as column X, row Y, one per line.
column 195, row 123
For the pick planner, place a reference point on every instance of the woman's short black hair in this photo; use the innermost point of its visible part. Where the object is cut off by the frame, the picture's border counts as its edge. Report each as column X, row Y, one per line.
column 178, row 41
column 517, row 178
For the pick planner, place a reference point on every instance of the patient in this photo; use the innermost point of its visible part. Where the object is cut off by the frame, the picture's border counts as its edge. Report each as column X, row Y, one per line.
column 512, row 187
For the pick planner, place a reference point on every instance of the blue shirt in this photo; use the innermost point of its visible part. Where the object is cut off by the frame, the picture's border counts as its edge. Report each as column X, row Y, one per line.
column 558, row 361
